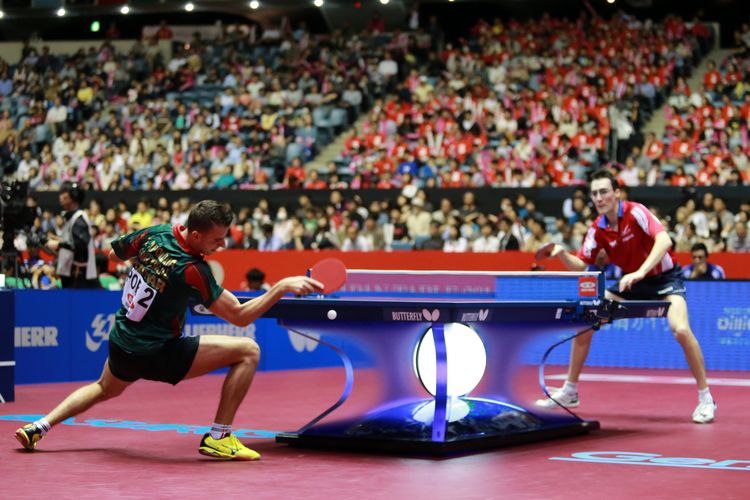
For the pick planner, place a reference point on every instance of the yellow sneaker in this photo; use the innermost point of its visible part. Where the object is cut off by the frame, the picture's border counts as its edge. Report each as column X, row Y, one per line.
column 29, row 435
column 228, row 447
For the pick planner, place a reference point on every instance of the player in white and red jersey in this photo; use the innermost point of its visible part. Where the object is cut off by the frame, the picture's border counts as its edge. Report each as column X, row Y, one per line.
column 635, row 240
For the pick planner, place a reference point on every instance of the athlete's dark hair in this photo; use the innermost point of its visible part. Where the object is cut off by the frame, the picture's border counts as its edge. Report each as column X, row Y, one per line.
column 604, row 173
column 207, row 214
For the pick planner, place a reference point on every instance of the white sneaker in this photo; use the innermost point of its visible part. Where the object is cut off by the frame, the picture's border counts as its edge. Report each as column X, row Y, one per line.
column 704, row 412
column 563, row 398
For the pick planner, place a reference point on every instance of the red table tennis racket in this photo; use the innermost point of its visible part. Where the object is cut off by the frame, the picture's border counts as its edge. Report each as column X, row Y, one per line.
column 331, row 272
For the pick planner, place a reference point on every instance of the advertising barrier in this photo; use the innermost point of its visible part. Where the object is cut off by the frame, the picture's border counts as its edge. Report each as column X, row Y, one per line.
column 719, row 316
column 231, row 266
column 62, row 336
column 7, row 354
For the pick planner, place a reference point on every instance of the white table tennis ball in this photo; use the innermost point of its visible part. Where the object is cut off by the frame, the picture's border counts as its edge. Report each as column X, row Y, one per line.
column 332, row 314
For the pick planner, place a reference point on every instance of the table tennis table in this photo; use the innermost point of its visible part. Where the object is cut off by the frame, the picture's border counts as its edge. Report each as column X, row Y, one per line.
column 383, row 318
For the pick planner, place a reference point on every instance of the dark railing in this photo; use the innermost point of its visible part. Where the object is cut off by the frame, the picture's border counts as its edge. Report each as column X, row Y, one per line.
column 548, row 200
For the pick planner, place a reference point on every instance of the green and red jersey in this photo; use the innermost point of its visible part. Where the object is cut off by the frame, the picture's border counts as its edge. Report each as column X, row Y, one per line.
column 166, row 275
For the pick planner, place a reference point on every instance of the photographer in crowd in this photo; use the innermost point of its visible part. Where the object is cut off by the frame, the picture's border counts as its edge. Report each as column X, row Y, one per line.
column 76, row 263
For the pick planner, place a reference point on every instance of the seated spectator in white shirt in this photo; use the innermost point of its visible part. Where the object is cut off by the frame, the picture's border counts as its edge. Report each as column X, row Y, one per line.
column 487, row 241
column 352, row 95
column 630, row 174
column 25, row 165
column 739, row 239
column 418, row 220
column 355, row 241
column 56, row 116
column 388, row 68
column 455, row 242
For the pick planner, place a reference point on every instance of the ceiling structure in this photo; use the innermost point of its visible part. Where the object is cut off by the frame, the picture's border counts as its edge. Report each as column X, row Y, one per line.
column 42, row 14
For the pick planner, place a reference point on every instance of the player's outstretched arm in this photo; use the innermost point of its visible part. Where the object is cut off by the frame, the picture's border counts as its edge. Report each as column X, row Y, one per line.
column 570, row 261
column 228, row 308
column 662, row 244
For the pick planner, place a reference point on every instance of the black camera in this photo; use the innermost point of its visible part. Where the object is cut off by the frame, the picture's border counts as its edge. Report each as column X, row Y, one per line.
column 15, row 215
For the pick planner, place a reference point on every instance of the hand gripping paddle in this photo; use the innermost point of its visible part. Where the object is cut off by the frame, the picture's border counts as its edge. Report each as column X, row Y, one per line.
column 331, row 272
column 545, row 251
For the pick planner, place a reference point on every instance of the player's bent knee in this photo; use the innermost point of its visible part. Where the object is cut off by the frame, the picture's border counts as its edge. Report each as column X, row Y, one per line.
column 682, row 333
column 250, row 350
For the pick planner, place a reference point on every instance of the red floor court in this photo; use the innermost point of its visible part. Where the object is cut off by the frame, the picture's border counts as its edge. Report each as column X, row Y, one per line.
column 650, row 416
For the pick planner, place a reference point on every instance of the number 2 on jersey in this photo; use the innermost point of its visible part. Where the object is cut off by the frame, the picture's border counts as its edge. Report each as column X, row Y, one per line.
column 137, row 296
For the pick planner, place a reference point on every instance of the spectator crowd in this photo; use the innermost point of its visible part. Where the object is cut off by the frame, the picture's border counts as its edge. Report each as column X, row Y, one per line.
column 413, row 222
column 512, row 104
column 534, row 103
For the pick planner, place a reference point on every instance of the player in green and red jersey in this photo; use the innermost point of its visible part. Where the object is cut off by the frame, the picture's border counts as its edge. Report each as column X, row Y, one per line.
column 146, row 341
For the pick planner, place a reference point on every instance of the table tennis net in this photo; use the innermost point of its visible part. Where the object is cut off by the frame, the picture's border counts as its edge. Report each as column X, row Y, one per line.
column 499, row 286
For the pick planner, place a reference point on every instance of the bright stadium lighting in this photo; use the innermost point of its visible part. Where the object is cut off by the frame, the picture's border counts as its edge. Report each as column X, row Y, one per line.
column 124, row 9
column 2, row 14
column 384, row 2
column 318, row 3
column 610, row 1
column 467, row 360
column 189, row 6
column 60, row 12
column 254, row 4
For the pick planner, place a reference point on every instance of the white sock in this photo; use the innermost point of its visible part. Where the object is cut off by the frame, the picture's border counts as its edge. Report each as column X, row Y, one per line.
column 43, row 426
column 570, row 387
column 219, row 430
column 704, row 396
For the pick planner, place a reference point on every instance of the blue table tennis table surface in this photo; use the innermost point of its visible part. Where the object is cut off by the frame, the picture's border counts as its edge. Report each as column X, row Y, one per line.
column 460, row 309
column 459, row 296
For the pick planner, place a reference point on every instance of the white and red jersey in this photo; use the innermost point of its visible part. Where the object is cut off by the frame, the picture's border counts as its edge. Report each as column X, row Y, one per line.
column 711, row 79
column 680, row 148
column 714, row 161
column 629, row 245
column 655, row 149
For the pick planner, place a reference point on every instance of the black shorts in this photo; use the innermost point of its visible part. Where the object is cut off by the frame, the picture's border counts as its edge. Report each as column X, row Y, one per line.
column 654, row 287
column 169, row 364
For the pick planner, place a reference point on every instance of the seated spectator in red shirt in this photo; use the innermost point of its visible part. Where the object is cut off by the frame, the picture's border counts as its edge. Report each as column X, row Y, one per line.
column 314, row 181
column 164, row 32
column 679, row 178
column 376, row 24
column 654, row 148
column 682, row 147
column 295, row 174
column 712, row 78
